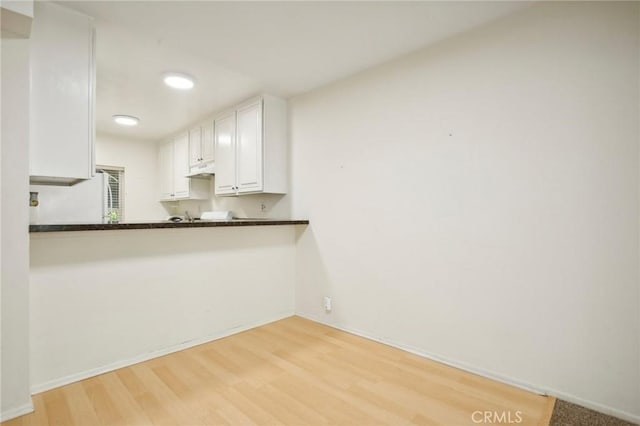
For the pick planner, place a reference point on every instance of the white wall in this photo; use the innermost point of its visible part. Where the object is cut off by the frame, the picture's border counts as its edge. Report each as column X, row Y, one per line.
column 478, row 202
column 137, row 294
column 276, row 206
column 15, row 398
column 139, row 158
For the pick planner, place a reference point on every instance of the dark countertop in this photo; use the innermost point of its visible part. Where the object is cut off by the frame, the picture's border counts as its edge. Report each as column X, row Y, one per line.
column 162, row 225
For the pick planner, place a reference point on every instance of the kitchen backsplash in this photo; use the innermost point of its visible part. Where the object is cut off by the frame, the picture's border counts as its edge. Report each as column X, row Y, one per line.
column 252, row 206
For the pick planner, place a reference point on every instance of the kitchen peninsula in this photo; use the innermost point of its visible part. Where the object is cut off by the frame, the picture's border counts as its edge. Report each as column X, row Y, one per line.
column 135, row 291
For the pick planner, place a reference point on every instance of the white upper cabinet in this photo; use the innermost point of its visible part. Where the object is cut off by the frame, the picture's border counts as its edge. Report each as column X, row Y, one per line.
column 207, row 154
column 251, row 148
column 181, row 167
column 173, row 164
column 201, row 146
column 165, row 165
column 61, row 149
column 225, row 135
column 195, row 149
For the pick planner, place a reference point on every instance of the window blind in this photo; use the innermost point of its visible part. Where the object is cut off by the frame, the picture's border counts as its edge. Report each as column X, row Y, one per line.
column 114, row 192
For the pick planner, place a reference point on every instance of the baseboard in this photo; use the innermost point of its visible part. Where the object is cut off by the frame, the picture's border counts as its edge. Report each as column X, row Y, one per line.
column 484, row 373
column 41, row 387
column 17, row 411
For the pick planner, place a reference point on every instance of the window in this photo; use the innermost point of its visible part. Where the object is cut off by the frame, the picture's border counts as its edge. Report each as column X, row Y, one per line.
column 114, row 193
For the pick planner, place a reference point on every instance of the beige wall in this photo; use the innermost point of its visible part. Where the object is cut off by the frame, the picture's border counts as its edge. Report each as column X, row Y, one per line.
column 276, row 205
column 15, row 397
column 477, row 202
column 138, row 294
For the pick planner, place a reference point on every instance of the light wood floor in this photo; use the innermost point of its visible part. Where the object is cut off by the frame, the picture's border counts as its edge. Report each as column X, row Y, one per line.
column 291, row 372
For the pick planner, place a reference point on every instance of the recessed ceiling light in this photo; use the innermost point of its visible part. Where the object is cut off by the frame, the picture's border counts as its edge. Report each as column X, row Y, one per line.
column 179, row 81
column 126, row 120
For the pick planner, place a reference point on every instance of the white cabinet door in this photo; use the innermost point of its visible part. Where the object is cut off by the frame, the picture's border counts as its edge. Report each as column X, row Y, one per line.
column 181, row 166
column 165, row 160
column 173, row 165
column 249, row 148
column 254, row 158
column 225, row 147
column 195, row 150
column 207, row 146
column 62, row 95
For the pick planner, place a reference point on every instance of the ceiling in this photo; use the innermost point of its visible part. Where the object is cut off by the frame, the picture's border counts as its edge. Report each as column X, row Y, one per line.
column 237, row 49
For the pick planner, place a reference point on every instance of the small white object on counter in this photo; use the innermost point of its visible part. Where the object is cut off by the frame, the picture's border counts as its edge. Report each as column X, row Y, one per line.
column 217, row 215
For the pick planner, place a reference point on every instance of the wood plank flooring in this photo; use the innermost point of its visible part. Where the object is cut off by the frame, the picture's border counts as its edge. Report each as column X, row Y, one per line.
column 291, row 372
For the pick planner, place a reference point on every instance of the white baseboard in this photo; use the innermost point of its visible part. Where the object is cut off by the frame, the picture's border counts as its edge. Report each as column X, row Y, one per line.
column 17, row 411
column 485, row 373
column 51, row 384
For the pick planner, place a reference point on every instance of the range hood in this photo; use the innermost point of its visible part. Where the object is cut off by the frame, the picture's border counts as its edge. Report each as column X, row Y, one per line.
column 204, row 170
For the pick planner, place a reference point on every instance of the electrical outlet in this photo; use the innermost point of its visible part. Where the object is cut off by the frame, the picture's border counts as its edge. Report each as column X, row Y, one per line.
column 327, row 304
